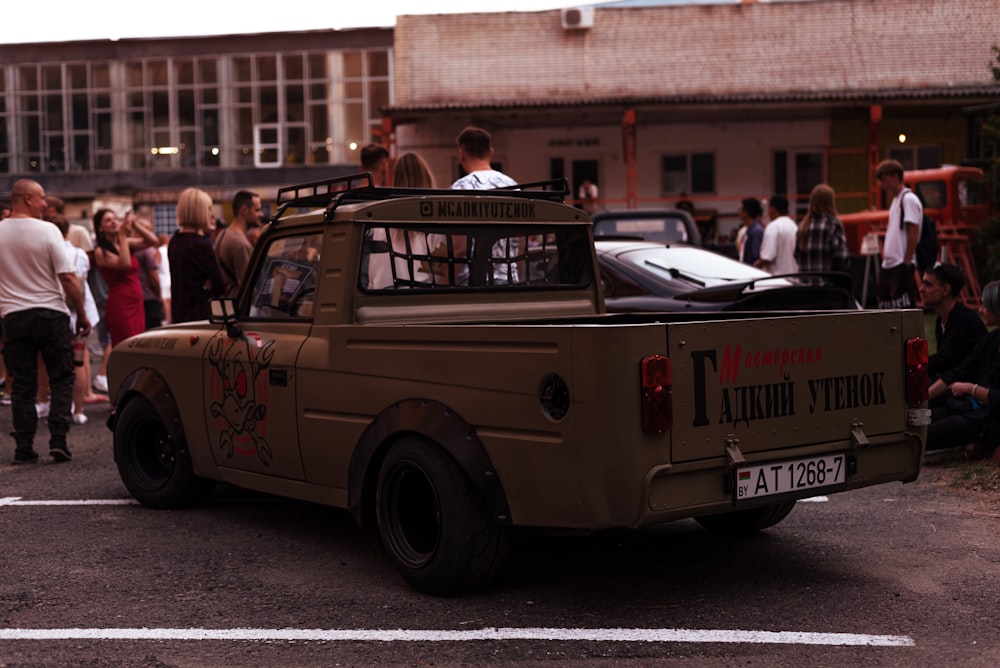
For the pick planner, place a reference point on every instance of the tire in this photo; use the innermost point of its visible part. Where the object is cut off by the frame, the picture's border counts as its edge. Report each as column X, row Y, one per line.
column 154, row 469
column 746, row 522
column 433, row 522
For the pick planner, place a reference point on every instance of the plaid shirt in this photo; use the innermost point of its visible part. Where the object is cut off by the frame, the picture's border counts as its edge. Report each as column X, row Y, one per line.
column 824, row 247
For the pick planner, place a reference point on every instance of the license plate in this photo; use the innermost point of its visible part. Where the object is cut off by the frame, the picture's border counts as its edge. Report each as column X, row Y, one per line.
column 788, row 478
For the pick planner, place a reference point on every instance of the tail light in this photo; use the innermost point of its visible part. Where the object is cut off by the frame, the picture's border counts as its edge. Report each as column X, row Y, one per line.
column 916, row 370
column 657, row 404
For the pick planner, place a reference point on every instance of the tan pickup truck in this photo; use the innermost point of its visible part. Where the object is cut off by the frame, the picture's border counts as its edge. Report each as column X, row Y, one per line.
column 440, row 364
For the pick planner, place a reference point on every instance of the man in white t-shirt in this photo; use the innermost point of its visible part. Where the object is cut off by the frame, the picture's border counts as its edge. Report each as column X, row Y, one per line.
column 897, row 285
column 37, row 281
column 777, row 249
column 475, row 151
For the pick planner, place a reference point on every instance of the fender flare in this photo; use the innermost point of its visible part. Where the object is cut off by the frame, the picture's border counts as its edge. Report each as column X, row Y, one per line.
column 148, row 383
column 435, row 422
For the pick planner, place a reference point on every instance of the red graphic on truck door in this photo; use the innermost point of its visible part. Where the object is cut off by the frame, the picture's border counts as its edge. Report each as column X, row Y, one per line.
column 238, row 387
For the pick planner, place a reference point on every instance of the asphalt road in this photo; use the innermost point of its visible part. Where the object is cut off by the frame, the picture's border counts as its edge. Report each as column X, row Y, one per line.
column 896, row 575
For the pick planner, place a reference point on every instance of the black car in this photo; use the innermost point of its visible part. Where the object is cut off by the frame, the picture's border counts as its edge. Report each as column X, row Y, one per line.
column 647, row 276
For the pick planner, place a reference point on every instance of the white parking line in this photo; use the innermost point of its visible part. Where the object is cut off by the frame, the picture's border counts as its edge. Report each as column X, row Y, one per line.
column 17, row 501
column 432, row 635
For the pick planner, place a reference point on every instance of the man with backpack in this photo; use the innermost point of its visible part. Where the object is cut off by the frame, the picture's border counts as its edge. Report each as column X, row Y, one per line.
column 897, row 286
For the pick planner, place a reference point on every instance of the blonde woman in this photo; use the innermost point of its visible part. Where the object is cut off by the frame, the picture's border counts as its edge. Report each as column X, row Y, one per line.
column 411, row 171
column 408, row 250
column 820, row 244
column 195, row 275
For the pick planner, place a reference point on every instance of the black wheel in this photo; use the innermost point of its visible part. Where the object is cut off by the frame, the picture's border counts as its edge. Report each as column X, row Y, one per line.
column 156, row 472
column 433, row 522
column 744, row 522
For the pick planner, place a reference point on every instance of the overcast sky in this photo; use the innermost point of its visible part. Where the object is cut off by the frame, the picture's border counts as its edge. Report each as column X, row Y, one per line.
column 70, row 20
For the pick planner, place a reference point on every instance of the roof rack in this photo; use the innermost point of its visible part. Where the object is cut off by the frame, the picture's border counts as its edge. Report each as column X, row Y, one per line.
column 331, row 193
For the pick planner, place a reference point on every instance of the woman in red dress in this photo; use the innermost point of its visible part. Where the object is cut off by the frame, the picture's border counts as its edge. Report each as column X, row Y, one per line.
column 124, row 314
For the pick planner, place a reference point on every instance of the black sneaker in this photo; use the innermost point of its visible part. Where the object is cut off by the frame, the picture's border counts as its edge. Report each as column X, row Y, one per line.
column 30, row 457
column 60, row 453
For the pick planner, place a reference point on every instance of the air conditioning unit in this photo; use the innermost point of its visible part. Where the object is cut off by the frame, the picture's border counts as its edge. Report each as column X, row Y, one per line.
column 577, row 18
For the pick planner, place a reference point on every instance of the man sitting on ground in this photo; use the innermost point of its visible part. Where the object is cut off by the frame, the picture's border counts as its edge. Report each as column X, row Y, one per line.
column 958, row 328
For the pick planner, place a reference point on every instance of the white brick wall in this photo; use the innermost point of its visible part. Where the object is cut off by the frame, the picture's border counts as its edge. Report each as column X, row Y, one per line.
column 825, row 45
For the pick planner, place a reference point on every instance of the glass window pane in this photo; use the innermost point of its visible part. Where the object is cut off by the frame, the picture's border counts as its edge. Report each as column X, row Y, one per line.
column 378, row 63
column 243, row 71
column 295, row 103
column 136, row 100
column 185, row 107
column 80, row 111
column 208, row 71
column 137, row 131
column 317, row 92
column 269, row 104
column 102, row 101
column 703, row 173
column 52, row 77
column 318, row 118
column 101, row 76
column 133, row 75
column 210, row 96
column 293, row 66
column 56, row 154
column 352, row 64
column 210, row 127
column 357, row 126
column 295, row 145
column 103, row 122
column 157, row 72
column 378, row 96
column 184, row 72
column 244, row 95
column 808, row 172
column 244, row 128
column 81, row 152
column 28, row 78
column 53, row 112
column 354, row 90
column 161, row 108
column 188, row 148
column 29, row 103
column 267, row 68
column 674, row 174
column 317, row 65
column 77, row 76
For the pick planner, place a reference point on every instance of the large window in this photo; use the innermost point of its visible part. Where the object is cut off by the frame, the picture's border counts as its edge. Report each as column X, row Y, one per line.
column 916, row 157
column 254, row 110
column 795, row 173
column 688, row 174
column 361, row 87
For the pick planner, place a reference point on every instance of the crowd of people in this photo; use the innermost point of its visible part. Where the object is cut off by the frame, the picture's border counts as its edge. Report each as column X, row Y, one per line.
column 965, row 367
column 57, row 282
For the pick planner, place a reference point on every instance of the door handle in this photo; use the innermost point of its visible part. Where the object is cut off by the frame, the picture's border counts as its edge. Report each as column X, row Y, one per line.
column 277, row 377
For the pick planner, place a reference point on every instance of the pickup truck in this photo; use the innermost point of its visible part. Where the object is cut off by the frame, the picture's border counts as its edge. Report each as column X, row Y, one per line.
column 440, row 364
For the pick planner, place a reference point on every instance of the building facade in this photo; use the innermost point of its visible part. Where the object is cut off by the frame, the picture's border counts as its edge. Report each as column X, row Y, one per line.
column 710, row 102
column 140, row 120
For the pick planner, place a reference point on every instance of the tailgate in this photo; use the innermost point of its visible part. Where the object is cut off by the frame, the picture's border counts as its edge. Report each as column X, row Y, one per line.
column 781, row 382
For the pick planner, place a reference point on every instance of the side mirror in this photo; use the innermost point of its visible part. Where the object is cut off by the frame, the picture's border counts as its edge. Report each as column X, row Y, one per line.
column 222, row 311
